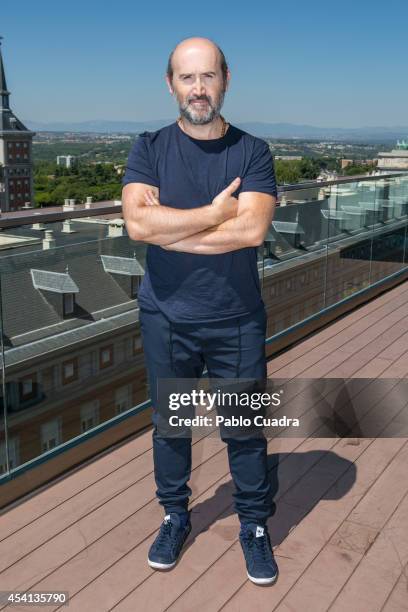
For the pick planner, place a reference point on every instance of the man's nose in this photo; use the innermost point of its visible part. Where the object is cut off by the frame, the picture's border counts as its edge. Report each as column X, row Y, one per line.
column 199, row 86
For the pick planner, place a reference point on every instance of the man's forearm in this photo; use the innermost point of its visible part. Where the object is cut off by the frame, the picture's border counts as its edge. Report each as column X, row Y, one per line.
column 163, row 224
column 232, row 234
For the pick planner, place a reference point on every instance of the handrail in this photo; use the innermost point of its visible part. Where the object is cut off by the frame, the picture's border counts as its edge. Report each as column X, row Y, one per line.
column 54, row 214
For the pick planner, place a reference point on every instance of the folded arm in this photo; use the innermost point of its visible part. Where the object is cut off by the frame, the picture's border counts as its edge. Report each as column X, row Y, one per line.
column 248, row 228
column 164, row 224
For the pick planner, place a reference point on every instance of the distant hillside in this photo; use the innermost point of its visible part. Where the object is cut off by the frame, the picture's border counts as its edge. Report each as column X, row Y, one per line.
column 265, row 130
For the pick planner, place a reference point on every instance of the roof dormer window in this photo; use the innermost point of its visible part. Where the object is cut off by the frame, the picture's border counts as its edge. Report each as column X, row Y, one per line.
column 68, row 303
column 58, row 288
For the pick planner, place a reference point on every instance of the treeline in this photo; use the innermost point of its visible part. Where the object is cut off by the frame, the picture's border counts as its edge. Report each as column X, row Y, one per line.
column 54, row 183
column 357, row 168
column 290, row 171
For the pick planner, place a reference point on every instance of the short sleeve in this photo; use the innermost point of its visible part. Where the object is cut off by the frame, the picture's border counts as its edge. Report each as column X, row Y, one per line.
column 139, row 167
column 261, row 171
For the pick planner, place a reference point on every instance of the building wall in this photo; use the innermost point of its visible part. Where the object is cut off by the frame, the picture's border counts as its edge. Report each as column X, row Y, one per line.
column 17, row 170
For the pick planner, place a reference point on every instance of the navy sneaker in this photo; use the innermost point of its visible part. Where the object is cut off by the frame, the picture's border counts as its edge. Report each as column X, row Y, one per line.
column 164, row 551
column 256, row 544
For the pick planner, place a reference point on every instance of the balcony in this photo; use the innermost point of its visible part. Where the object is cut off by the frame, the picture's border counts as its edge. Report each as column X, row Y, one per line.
column 341, row 504
column 78, row 486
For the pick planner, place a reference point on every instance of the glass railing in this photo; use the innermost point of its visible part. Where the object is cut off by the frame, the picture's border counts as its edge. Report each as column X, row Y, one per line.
column 72, row 358
column 329, row 242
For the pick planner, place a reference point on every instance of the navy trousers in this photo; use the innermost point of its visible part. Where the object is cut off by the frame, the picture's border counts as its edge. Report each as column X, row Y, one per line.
column 234, row 348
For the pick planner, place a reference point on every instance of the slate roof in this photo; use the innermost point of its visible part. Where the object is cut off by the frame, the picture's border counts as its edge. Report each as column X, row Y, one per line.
column 122, row 265
column 29, row 318
column 57, row 282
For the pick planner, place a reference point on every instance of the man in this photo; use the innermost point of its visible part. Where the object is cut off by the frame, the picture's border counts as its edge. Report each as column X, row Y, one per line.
column 202, row 193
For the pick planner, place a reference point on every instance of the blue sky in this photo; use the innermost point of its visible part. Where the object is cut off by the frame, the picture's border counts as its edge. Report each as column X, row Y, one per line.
column 341, row 64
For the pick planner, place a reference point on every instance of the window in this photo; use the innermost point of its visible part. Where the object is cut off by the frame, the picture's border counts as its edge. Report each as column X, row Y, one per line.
column 89, row 415
column 68, row 304
column 14, row 458
column 51, row 434
column 105, row 356
column 134, row 285
column 27, row 387
column 69, row 370
column 137, row 344
column 123, row 398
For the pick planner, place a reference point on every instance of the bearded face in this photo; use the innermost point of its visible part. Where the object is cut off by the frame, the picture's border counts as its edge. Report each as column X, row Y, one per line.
column 201, row 109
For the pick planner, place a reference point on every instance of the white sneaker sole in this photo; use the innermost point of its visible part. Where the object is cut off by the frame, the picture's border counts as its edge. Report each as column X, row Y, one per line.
column 162, row 566
column 262, row 580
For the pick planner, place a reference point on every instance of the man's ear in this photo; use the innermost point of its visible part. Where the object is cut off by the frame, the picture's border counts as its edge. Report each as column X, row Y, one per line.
column 228, row 79
column 169, row 85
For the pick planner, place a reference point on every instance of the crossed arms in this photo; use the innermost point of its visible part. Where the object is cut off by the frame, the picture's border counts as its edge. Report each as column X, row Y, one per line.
column 226, row 224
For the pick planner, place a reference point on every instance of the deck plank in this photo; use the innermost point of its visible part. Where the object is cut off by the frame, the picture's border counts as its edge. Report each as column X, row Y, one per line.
column 335, row 328
column 398, row 598
column 341, row 504
column 304, row 541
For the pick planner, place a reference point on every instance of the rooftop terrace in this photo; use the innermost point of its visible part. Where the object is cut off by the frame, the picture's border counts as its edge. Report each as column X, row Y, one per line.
column 339, row 529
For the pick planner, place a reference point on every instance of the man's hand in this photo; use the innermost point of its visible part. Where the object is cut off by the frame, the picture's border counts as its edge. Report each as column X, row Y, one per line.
column 225, row 204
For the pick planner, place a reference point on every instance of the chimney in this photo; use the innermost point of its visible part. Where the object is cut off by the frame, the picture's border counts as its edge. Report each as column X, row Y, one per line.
column 48, row 240
column 67, row 227
column 68, row 204
column 116, row 228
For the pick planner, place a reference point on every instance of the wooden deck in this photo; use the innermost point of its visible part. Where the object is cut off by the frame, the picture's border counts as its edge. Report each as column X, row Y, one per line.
column 340, row 530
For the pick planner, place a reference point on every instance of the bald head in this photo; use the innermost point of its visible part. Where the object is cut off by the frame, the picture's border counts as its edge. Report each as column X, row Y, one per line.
column 193, row 49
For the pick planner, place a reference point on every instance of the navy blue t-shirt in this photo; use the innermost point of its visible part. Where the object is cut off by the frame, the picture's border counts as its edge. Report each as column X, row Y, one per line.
column 191, row 287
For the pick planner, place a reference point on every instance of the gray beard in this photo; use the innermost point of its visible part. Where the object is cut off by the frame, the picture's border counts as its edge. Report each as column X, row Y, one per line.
column 197, row 118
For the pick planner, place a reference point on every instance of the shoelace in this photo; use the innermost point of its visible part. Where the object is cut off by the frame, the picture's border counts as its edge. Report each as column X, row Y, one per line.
column 259, row 547
column 165, row 534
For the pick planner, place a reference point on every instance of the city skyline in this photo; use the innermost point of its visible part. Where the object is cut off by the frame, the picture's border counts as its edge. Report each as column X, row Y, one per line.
column 298, row 65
